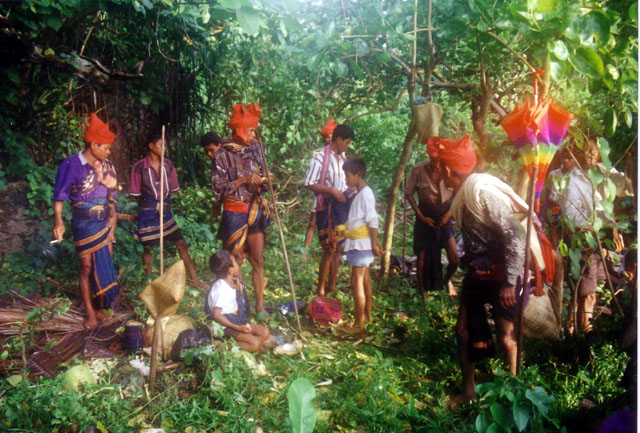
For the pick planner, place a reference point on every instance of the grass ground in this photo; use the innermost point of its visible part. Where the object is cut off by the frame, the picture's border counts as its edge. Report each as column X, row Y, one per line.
column 395, row 378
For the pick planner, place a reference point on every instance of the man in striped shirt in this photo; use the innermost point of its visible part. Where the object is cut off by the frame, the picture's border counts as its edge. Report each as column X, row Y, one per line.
column 145, row 187
column 326, row 179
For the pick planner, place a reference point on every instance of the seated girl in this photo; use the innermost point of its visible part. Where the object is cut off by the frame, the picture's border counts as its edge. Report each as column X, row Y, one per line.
column 227, row 304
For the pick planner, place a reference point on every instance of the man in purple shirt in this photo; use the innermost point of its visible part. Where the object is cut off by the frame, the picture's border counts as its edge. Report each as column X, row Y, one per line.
column 88, row 179
column 145, row 187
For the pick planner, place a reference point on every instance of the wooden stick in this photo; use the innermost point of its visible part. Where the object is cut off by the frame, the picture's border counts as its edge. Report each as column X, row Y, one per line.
column 527, row 260
column 162, row 204
column 154, row 355
column 404, row 225
column 156, row 324
column 279, row 224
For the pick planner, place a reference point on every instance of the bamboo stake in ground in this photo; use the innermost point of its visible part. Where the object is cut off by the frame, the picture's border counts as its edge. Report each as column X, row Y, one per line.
column 527, row 260
column 156, row 323
column 279, row 224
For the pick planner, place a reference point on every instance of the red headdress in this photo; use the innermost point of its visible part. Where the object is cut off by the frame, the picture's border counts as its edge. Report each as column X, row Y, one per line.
column 432, row 147
column 242, row 119
column 98, row 132
column 328, row 128
column 457, row 155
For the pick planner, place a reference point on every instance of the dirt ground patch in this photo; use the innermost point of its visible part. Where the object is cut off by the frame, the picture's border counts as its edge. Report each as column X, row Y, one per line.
column 17, row 230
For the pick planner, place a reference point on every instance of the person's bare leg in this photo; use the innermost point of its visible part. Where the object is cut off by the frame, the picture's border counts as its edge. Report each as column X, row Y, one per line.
column 248, row 342
column 323, row 271
column 420, row 274
column 359, row 297
column 147, row 261
column 255, row 245
column 368, row 295
column 183, row 251
column 311, row 229
column 91, row 320
column 454, row 262
column 506, row 333
column 468, row 368
column 334, row 264
column 586, row 304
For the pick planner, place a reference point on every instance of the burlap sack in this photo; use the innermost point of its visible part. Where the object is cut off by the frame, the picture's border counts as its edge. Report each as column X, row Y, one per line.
column 163, row 295
column 425, row 120
column 540, row 319
column 170, row 329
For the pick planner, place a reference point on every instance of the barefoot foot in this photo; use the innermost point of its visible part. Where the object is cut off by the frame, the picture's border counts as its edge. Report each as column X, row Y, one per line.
column 453, row 292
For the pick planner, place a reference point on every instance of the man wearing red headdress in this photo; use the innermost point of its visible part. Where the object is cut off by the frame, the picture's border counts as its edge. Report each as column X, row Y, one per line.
column 237, row 179
column 325, row 133
column 488, row 213
column 88, row 179
column 433, row 228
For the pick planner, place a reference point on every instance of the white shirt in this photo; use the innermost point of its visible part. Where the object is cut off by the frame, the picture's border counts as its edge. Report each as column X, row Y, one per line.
column 335, row 174
column 361, row 212
column 575, row 197
column 223, row 296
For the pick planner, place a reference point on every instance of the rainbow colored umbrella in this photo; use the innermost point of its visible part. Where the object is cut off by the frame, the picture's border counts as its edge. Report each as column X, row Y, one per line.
column 536, row 129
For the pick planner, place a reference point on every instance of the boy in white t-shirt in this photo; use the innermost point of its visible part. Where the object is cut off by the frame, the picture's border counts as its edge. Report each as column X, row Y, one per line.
column 227, row 304
column 361, row 233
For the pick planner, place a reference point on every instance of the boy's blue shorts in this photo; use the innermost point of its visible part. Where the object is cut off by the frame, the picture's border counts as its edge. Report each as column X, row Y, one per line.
column 359, row 258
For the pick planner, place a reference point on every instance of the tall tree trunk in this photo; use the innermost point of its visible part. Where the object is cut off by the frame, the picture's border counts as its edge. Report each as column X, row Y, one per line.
column 480, row 108
column 393, row 196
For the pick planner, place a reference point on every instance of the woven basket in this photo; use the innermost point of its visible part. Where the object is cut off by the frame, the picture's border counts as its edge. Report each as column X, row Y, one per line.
column 163, row 295
column 539, row 318
column 425, row 120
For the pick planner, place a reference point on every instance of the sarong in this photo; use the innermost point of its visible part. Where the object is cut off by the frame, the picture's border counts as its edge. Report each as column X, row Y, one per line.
column 481, row 285
column 148, row 232
column 329, row 216
column 239, row 220
column 431, row 241
column 91, row 238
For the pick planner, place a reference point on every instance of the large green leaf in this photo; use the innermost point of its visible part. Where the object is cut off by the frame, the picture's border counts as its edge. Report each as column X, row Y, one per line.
column 521, row 414
column 605, row 150
column 587, row 61
column 249, row 20
column 54, row 23
column 559, row 49
column 482, row 422
column 301, row 411
column 596, row 176
column 595, row 28
column 500, row 415
column 610, row 122
column 542, row 6
column 538, row 396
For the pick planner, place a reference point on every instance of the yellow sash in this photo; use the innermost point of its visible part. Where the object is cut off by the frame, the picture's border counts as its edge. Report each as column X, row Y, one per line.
column 361, row 232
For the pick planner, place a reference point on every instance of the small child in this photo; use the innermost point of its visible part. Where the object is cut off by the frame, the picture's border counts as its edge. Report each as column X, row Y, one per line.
column 361, row 242
column 227, row 304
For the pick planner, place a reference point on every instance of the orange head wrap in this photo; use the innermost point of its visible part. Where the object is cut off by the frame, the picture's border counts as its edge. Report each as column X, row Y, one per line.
column 98, row 132
column 457, row 155
column 328, row 128
column 242, row 119
column 432, row 147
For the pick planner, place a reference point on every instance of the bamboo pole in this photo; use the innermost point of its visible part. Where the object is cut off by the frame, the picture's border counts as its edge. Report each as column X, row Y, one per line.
column 279, row 224
column 156, row 324
column 404, row 223
column 527, row 260
column 161, row 210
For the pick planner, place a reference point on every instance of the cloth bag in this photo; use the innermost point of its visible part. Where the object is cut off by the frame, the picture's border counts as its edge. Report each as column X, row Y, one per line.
column 324, row 311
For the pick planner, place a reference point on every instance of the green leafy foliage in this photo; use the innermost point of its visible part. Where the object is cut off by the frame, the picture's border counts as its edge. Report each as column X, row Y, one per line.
column 507, row 404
